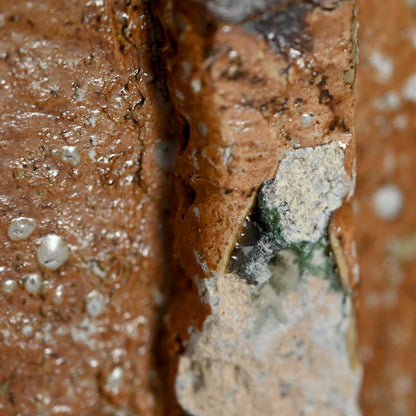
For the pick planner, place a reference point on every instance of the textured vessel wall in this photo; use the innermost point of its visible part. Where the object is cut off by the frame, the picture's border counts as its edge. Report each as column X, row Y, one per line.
column 82, row 194
column 267, row 99
column 385, row 206
column 199, row 152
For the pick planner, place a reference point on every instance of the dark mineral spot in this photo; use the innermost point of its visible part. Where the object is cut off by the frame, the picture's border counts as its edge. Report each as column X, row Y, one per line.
column 325, row 97
column 284, row 29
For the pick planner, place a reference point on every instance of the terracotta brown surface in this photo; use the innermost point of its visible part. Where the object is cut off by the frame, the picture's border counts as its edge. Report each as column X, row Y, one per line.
column 97, row 100
column 85, row 147
column 246, row 97
column 386, row 244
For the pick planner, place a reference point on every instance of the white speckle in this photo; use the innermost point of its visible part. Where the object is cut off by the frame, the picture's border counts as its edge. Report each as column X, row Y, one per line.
column 115, row 380
column 92, row 155
column 159, row 298
column 9, row 286
column 5, row 333
column 202, row 128
column 194, row 159
column 196, row 85
column 70, row 155
column 83, row 331
column 207, row 289
column 129, row 179
column 79, row 95
column 117, row 354
column 409, row 89
column 388, row 202
column 232, row 55
column 97, row 270
column 196, row 212
column 58, row 298
column 62, row 330
column 201, row 264
column 95, row 304
column 52, row 252
column 53, row 173
column 33, row 283
column 27, row 330
column 388, row 102
column 92, row 120
column 164, row 154
column 307, row 119
column 400, row 122
column 342, row 145
column 61, row 409
column 294, row 53
column 179, row 95
column 356, row 274
column 21, row 228
column 93, row 363
column 226, row 155
column 383, row 65
column 147, row 77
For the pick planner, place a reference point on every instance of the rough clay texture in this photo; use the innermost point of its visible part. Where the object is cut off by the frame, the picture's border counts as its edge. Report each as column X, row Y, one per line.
column 310, row 185
column 386, row 247
column 292, row 360
column 81, row 116
column 88, row 141
column 251, row 94
column 252, row 101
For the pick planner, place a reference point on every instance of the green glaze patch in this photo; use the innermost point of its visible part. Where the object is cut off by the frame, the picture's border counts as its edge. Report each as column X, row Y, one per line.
column 258, row 255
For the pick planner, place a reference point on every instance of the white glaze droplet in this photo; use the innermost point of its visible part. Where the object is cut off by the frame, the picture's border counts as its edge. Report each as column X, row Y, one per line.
column 70, row 155
column 52, row 252
column 27, row 330
column 307, row 119
column 21, row 228
column 9, row 286
column 114, row 380
column 33, row 283
column 95, row 304
column 58, row 298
